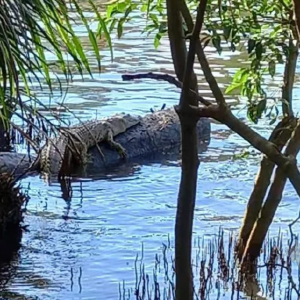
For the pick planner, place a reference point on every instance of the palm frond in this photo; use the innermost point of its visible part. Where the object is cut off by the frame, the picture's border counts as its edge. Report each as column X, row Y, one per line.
column 31, row 28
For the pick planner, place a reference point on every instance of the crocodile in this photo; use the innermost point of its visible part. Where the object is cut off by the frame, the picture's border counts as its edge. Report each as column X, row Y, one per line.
column 73, row 142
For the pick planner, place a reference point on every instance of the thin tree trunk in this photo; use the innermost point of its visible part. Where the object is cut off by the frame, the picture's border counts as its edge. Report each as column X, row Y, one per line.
column 268, row 210
column 185, row 211
column 280, row 135
column 188, row 185
column 289, row 76
column 187, row 191
column 177, row 42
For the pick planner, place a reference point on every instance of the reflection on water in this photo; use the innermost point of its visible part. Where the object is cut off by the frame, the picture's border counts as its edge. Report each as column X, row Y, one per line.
column 83, row 248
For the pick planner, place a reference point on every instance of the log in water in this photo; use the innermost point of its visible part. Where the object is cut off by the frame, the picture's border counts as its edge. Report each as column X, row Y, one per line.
column 157, row 136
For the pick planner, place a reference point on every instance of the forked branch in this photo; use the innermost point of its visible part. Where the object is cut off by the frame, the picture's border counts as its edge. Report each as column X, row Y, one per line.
column 185, row 100
column 286, row 163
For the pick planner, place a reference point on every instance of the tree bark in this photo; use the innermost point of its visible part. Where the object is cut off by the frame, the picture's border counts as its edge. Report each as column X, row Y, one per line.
column 289, row 76
column 268, row 210
column 280, row 135
column 297, row 16
column 177, row 42
column 187, row 192
column 185, row 211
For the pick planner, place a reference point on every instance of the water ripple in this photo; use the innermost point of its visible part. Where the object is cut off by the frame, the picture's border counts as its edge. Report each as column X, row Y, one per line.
column 84, row 248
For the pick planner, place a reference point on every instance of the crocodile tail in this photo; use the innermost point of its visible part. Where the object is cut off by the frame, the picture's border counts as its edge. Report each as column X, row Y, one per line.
column 52, row 155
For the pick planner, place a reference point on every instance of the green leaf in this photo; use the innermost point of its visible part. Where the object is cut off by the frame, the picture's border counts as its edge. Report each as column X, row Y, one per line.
column 244, row 75
column 110, row 9
column 102, row 26
column 227, row 31
column 272, row 66
column 157, row 40
column 233, row 86
column 258, row 50
column 120, row 28
column 261, row 106
column 216, row 41
column 251, row 45
column 121, row 6
column 241, row 75
column 251, row 114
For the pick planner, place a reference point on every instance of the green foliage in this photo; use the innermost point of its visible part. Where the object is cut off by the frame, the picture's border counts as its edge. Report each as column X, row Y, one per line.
column 261, row 28
column 245, row 154
column 120, row 12
column 30, row 28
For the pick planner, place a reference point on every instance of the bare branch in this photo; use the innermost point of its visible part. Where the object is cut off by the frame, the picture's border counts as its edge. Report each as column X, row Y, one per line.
column 177, row 42
column 287, row 164
column 202, row 58
column 184, row 99
column 164, row 77
column 224, row 115
column 26, row 136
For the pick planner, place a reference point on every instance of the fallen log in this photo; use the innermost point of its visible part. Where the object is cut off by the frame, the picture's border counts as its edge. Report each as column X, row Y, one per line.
column 17, row 164
column 157, row 136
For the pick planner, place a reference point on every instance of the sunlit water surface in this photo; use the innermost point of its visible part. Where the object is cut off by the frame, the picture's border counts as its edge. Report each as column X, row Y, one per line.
column 84, row 249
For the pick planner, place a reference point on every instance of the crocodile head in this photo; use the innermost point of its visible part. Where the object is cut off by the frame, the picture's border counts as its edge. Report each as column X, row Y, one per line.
column 121, row 122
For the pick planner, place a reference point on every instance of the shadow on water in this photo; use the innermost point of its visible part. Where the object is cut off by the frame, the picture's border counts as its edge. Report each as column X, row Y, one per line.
column 121, row 171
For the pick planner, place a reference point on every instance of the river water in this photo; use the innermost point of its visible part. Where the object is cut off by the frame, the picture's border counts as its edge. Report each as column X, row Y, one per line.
column 86, row 248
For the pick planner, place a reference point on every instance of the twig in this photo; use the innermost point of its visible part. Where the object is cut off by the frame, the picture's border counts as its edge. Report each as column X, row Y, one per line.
column 27, row 137
column 289, row 271
column 293, row 223
column 202, row 58
column 184, row 99
column 164, row 77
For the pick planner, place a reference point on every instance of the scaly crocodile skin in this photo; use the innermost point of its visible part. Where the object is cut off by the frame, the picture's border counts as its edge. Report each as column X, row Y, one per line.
column 76, row 140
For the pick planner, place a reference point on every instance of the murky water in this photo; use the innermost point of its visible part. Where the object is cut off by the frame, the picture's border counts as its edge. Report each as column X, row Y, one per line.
column 84, row 249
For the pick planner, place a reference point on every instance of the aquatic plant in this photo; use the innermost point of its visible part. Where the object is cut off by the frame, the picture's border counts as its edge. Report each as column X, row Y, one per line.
column 218, row 274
